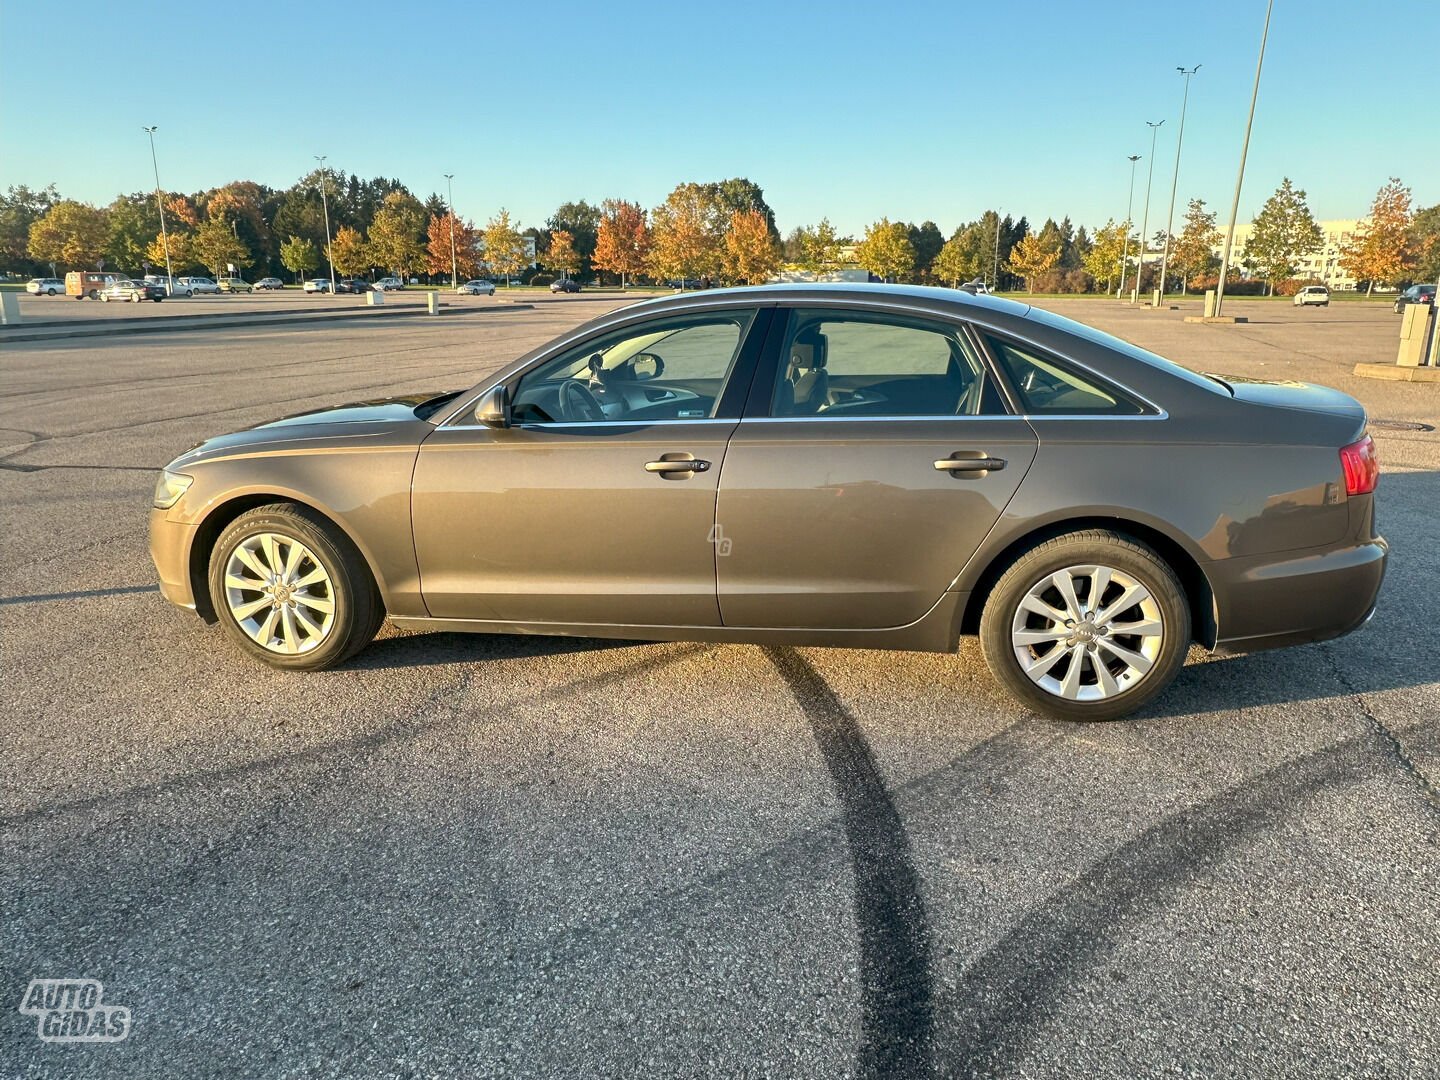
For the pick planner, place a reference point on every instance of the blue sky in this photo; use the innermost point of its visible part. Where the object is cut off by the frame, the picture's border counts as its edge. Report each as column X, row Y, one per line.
column 851, row 110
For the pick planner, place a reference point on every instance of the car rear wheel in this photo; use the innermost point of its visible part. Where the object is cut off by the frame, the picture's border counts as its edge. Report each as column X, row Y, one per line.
column 1087, row 626
column 292, row 590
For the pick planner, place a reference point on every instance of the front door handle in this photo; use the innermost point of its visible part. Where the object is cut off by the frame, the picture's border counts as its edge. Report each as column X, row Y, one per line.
column 670, row 467
column 982, row 463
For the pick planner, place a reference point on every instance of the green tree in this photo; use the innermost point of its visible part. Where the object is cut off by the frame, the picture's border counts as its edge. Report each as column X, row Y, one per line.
column 134, row 220
column 953, row 262
column 582, row 222
column 1102, row 262
column 1425, row 243
column 72, row 234
column 820, row 249
column 1193, row 253
column 299, row 255
column 737, row 195
column 1281, row 233
column 1379, row 250
column 217, row 246
column 395, row 233
column 926, row 240
column 504, row 246
column 21, row 207
column 886, row 250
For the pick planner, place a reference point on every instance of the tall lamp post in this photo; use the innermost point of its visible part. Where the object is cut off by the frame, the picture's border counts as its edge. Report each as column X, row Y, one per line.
column 1125, row 245
column 160, row 202
column 325, row 203
column 454, row 266
column 1175, row 179
column 1240, row 178
column 1145, row 217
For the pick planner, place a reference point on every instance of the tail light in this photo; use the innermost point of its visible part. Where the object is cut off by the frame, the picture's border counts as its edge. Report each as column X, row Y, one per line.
column 1362, row 466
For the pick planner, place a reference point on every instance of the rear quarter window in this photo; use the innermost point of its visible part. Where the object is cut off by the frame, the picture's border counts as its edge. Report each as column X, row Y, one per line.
column 1048, row 385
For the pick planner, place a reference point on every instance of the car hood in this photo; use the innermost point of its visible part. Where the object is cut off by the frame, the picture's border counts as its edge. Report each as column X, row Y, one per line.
column 338, row 426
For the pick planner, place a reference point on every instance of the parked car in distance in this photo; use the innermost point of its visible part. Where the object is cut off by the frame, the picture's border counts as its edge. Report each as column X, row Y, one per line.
column 477, row 287
column 318, row 284
column 196, row 286
column 1313, row 295
column 1415, row 294
column 170, row 285
column 565, row 285
column 45, row 286
column 268, row 283
column 976, row 288
column 235, row 285
column 891, row 466
column 88, row 284
column 134, row 291
column 353, row 285
column 387, row 284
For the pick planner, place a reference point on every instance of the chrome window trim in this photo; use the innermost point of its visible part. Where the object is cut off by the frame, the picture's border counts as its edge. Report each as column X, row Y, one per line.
column 542, row 426
column 1161, row 415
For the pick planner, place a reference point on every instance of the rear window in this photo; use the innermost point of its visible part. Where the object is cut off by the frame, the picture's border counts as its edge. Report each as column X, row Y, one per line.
column 1047, row 385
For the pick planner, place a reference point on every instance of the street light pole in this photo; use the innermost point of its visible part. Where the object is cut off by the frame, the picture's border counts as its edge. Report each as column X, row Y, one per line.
column 325, row 203
column 1145, row 217
column 1175, row 179
column 1125, row 245
column 160, row 202
column 1240, row 177
column 454, row 266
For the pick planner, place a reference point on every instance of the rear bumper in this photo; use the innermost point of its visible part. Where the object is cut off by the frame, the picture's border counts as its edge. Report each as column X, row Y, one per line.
column 1265, row 604
column 170, row 543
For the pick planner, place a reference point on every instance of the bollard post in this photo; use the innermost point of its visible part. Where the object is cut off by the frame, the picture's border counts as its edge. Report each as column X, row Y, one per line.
column 432, row 302
column 375, row 299
column 9, row 308
column 1414, row 332
column 1209, row 303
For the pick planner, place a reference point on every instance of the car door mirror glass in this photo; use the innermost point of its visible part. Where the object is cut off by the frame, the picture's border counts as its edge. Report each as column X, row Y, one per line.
column 645, row 366
column 493, row 409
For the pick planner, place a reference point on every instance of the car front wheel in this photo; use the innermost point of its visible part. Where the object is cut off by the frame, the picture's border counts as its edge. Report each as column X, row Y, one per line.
column 292, row 590
column 1086, row 626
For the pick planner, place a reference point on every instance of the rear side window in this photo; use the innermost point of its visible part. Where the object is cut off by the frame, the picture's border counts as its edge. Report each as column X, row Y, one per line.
column 1047, row 385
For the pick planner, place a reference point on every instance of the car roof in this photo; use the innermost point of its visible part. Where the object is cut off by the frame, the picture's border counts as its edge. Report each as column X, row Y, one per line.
column 831, row 291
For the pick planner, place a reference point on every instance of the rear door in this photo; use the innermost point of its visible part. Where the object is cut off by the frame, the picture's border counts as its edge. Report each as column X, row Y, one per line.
column 874, row 456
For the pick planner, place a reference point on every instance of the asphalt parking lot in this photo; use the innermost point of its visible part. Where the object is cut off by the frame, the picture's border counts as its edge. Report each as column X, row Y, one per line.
column 505, row 856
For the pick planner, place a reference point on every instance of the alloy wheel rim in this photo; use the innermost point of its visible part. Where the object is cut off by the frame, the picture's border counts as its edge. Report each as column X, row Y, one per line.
column 280, row 593
column 1087, row 632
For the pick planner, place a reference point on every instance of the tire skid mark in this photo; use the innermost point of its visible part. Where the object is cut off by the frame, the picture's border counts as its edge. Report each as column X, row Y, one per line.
column 1009, row 993
column 897, row 1011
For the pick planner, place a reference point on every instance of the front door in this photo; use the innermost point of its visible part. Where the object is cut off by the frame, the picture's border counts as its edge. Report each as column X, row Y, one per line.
column 854, row 495
column 597, row 504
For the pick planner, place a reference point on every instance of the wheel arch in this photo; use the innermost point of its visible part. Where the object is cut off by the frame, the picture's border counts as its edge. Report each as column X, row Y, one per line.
column 1198, row 591
column 218, row 518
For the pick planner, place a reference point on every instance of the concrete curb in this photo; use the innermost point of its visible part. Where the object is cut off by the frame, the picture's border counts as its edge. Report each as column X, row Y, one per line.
column 1396, row 373
column 178, row 323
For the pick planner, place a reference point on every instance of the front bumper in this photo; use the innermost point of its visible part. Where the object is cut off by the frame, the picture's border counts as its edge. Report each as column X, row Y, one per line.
column 1265, row 604
column 170, row 543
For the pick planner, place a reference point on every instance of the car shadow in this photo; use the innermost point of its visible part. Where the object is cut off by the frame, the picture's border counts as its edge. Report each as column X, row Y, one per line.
column 435, row 648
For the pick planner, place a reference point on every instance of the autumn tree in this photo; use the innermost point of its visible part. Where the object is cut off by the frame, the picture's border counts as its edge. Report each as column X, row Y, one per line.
column 622, row 241
column 299, row 255
column 562, row 255
column 218, row 247
column 686, row 234
column 582, row 222
column 751, row 254
column 178, row 244
column 350, row 254
column 1107, row 248
column 395, row 234
column 820, row 249
column 437, row 248
column 1032, row 256
column 72, row 234
column 886, row 250
column 1283, row 231
column 953, row 262
column 504, row 246
column 1379, row 250
column 1194, row 251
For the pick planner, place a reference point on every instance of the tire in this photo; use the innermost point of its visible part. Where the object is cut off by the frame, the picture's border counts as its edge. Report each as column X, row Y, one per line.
column 105, row 299
column 295, row 629
column 135, row 298
column 1072, row 687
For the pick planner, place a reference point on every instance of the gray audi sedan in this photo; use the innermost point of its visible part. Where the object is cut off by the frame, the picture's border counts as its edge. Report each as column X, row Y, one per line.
column 865, row 466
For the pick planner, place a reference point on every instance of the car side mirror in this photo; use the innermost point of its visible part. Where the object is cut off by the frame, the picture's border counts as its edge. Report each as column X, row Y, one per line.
column 493, row 410
column 646, row 366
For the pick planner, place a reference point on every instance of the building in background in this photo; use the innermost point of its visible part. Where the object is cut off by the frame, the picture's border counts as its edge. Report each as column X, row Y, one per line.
column 1323, row 265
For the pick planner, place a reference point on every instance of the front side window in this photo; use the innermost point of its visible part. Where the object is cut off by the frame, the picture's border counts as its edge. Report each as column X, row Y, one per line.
column 1047, row 385
column 672, row 369
column 858, row 364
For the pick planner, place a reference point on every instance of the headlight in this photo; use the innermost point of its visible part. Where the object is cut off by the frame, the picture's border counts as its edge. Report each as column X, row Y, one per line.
column 170, row 487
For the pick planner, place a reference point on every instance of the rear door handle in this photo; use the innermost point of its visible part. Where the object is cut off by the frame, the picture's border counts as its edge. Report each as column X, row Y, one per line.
column 683, row 465
column 970, row 464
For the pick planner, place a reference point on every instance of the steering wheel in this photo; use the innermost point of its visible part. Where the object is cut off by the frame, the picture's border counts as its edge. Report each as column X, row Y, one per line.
column 578, row 403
